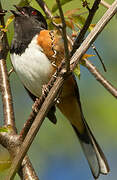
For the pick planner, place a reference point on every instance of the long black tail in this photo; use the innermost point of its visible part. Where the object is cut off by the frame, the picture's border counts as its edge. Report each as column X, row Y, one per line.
column 93, row 152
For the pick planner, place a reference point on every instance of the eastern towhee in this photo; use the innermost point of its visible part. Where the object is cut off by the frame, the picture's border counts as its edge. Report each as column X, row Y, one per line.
column 33, row 50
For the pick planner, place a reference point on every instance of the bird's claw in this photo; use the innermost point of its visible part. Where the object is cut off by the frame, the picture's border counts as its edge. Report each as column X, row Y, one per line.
column 35, row 106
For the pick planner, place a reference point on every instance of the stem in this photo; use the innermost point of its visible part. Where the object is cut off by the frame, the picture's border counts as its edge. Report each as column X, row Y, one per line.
column 99, row 77
column 64, row 36
column 48, row 13
column 4, row 80
column 83, row 31
column 45, row 8
column 105, row 4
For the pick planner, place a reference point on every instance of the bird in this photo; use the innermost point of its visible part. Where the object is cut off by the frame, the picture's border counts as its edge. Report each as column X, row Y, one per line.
column 33, row 50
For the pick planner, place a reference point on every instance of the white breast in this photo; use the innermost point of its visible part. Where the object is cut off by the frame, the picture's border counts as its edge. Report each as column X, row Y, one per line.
column 32, row 67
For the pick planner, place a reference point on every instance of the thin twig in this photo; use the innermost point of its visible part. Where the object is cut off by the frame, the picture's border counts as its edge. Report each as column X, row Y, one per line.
column 83, row 31
column 98, row 55
column 3, row 41
column 10, row 71
column 105, row 4
column 99, row 77
column 27, row 171
column 48, row 13
column 53, row 92
column 28, row 124
column 45, row 8
column 64, row 36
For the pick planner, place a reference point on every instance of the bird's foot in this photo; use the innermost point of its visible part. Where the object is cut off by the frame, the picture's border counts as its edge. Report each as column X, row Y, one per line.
column 54, row 64
column 57, row 100
column 45, row 90
column 35, row 106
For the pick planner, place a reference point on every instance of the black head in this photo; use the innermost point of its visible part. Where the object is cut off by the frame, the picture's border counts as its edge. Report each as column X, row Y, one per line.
column 30, row 14
column 28, row 22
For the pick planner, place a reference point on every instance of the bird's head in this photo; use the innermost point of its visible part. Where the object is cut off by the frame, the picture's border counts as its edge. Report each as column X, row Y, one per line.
column 28, row 22
column 27, row 15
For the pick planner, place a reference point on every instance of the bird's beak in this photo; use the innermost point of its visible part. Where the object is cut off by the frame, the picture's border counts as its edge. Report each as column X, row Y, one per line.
column 15, row 13
column 19, row 11
column 18, row 8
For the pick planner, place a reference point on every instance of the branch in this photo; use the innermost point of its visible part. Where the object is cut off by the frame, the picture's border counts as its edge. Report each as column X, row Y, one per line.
column 64, row 36
column 4, row 81
column 27, row 171
column 83, row 31
column 12, row 142
column 6, row 96
column 99, row 77
column 48, row 13
column 28, row 124
column 54, row 90
column 45, row 8
column 10, row 72
column 105, row 4
column 99, row 57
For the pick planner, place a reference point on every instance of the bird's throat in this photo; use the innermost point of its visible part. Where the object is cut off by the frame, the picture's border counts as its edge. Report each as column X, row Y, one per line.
column 33, row 67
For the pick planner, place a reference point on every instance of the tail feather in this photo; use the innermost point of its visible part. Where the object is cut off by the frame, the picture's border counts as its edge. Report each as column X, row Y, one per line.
column 70, row 106
column 96, row 158
column 104, row 167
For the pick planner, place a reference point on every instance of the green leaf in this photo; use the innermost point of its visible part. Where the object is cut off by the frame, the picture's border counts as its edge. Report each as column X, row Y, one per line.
column 5, row 159
column 91, row 26
column 77, row 71
column 63, row 2
column 24, row 3
column 71, row 12
column 82, row 62
column 4, row 164
column 8, row 129
column 9, row 20
column 4, row 129
column 78, row 19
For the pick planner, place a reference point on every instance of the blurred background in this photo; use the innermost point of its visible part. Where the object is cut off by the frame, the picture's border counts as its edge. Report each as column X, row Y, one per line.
column 56, row 153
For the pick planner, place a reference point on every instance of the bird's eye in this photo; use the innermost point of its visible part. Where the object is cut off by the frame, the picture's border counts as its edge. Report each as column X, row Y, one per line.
column 34, row 13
